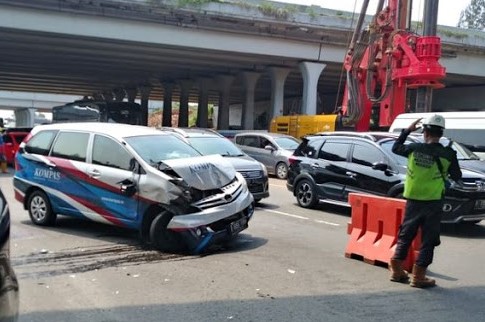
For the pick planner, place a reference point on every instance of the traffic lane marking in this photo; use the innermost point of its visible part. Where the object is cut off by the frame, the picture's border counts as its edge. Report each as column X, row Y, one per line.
column 299, row 217
column 278, row 185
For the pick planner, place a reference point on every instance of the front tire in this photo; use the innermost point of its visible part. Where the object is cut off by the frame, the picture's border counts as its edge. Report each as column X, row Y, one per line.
column 281, row 170
column 40, row 210
column 162, row 238
column 305, row 194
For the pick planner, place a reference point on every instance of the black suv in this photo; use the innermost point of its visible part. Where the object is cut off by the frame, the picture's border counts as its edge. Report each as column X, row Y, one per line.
column 328, row 166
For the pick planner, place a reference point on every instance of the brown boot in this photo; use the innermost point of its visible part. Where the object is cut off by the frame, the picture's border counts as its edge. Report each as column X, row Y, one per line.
column 398, row 274
column 419, row 278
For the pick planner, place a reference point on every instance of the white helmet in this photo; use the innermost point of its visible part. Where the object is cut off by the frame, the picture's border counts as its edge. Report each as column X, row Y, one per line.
column 435, row 120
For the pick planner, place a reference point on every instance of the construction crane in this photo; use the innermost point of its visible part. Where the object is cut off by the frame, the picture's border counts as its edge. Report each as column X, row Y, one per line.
column 386, row 60
column 383, row 62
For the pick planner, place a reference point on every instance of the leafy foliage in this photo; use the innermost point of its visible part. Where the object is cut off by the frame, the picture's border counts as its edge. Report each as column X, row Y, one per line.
column 473, row 17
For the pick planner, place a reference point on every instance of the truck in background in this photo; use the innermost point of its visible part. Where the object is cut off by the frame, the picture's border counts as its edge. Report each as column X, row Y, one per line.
column 98, row 111
column 301, row 125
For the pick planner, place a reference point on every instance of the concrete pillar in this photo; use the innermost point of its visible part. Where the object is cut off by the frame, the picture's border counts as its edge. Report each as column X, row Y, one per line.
column 278, row 78
column 203, row 106
column 185, row 87
column 131, row 93
column 224, row 83
column 24, row 117
column 145, row 95
column 311, row 73
column 250, row 79
column 167, row 104
column 119, row 94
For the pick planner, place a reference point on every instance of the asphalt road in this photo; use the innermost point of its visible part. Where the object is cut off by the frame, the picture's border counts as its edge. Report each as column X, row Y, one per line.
column 289, row 265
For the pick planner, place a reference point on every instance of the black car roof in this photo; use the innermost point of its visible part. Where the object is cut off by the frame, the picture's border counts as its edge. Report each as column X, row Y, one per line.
column 372, row 136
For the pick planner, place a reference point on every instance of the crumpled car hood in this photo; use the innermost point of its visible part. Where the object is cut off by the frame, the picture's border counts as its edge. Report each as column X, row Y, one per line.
column 204, row 172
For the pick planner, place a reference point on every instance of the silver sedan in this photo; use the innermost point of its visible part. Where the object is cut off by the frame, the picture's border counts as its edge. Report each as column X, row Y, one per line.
column 271, row 149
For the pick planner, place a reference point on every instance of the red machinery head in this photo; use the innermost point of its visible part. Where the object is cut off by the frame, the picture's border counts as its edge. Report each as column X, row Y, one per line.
column 386, row 62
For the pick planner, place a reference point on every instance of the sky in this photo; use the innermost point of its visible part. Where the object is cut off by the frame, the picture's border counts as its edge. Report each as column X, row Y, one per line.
column 448, row 10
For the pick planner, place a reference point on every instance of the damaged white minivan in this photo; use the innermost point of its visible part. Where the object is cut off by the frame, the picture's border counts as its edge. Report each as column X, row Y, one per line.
column 134, row 177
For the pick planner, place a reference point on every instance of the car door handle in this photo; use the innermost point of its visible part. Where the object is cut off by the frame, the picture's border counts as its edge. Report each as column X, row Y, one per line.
column 94, row 173
column 351, row 174
column 315, row 165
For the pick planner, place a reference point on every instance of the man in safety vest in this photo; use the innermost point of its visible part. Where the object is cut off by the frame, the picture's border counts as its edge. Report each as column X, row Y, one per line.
column 429, row 165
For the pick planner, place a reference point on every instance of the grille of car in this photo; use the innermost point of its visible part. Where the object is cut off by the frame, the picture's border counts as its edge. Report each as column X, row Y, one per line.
column 257, row 187
column 251, row 174
column 221, row 196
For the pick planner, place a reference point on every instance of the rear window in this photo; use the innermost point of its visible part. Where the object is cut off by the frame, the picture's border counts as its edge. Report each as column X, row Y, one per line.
column 309, row 148
column 41, row 142
column 252, row 141
column 334, row 151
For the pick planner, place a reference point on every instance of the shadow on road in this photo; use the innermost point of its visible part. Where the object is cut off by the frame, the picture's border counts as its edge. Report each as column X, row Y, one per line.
column 438, row 304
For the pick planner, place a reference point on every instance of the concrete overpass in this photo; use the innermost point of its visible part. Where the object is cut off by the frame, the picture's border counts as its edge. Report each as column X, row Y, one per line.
column 270, row 58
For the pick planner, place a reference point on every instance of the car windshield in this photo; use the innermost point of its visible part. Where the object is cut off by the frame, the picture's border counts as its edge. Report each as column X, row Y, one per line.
column 215, row 145
column 462, row 153
column 287, row 143
column 156, row 148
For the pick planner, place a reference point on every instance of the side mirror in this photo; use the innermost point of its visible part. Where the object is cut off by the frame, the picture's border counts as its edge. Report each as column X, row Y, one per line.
column 133, row 165
column 127, row 187
column 269, row 148
column 380, row 166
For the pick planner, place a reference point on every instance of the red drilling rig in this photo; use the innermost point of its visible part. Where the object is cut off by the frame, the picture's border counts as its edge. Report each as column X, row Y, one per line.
column 386, row 60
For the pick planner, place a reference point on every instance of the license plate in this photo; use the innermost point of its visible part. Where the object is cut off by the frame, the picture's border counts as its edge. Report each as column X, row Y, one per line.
column 480, row 204
column 237, row 226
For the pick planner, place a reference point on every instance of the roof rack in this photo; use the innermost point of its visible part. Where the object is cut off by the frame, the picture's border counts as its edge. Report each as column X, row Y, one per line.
column 347, row 133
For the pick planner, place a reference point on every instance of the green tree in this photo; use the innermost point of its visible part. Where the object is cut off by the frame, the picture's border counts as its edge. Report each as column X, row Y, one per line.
column 473, row 17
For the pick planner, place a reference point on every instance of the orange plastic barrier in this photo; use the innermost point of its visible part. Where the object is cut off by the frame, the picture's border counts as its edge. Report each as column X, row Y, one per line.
column 374, row 228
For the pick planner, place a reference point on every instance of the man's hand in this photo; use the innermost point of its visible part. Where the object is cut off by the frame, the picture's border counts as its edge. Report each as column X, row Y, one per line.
column 413, row 126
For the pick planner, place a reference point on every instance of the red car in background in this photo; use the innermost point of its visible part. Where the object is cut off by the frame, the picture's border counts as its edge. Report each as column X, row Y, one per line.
column 12, row 137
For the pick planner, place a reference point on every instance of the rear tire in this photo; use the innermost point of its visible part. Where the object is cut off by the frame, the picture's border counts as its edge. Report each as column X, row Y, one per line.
column 163, row 239
column 305, row 194
column 40, row 210
column 281, row 170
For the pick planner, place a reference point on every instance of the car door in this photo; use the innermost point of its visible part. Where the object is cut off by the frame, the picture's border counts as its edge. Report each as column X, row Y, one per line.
column 268, row 157
column 65, row 174
column 113, row 184
column 250, row 144
column 364, row 177
column 329, row 169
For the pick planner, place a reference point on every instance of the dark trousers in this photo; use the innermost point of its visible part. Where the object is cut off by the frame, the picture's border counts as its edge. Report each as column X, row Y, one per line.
column 427, row 216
